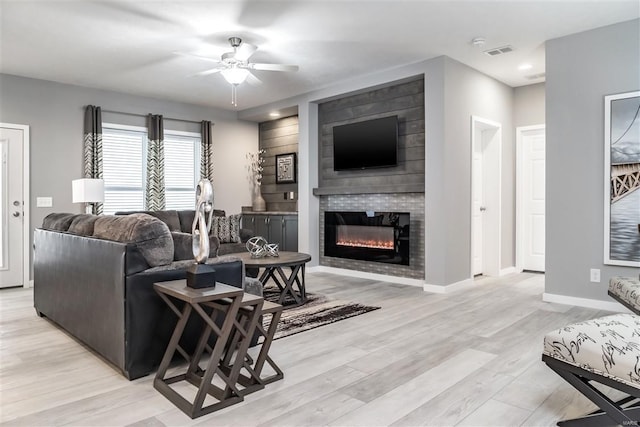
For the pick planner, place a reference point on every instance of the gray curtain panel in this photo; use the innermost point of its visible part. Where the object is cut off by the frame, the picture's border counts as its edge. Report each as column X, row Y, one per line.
column 155, row 196
column 206, row 151
column 93, row 147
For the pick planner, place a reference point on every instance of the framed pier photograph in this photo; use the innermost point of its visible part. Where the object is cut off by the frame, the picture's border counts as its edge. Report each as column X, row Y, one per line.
column 622, row 179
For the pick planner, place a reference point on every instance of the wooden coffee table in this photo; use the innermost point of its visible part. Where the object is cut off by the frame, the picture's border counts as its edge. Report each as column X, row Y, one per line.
column 273, row 269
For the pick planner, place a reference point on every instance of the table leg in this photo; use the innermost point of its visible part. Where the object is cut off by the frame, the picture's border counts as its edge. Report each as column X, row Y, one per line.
column 214, row 360
column 173, row 342
column 288, row 287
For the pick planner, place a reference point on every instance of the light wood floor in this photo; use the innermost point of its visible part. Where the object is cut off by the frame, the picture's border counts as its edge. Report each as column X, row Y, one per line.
column 466, row 358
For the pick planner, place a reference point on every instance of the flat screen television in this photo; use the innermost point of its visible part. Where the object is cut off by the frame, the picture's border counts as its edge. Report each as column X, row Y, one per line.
column 367, row 144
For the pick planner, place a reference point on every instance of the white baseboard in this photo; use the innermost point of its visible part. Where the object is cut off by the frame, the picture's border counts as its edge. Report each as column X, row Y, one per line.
column 585, row 302
column 29, row 284
column 439, row 289
column 508, row 270
column 366, row 275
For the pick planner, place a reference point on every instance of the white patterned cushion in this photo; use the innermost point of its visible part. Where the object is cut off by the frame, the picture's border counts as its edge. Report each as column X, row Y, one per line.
column 627, row 289
column 226, row 228
column 608, row 346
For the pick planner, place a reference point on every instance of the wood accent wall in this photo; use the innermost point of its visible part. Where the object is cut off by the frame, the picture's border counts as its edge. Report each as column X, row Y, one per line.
column 406, row 100
column 278, row 137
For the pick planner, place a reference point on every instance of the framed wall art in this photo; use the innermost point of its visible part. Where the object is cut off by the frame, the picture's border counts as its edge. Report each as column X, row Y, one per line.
column 622, row 179
column 286, row 168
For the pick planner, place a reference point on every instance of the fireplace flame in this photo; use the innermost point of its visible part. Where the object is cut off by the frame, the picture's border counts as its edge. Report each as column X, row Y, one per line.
column 372, row 244
column 371, row 237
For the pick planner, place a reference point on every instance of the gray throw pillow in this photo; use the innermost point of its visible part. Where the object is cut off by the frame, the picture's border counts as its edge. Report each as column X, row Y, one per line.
column 227, row 228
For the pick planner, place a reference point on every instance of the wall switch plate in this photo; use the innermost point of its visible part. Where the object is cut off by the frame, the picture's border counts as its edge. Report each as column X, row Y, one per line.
column 44, row 202
column 595, row 275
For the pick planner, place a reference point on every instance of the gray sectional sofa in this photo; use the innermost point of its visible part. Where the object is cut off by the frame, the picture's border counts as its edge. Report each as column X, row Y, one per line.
column 94, row 275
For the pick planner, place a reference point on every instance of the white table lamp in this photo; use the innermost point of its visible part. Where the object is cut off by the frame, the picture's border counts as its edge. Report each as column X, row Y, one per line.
column 87, row 190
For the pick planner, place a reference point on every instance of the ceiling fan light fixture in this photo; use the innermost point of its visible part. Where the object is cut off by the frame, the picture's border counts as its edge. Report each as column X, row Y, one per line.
column 235, row 75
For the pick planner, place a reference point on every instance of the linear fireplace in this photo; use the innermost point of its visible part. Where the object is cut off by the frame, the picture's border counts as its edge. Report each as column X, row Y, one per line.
column 369, row 236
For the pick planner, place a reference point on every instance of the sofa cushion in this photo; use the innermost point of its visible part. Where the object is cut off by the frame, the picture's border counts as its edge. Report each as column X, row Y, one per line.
column 183, row 246
column 608, row 346
column 150, row 235
column 186, row 218
column 231, row 248
column 227, row 228
column 170, row 217
column 82, row 224
column 58, row 221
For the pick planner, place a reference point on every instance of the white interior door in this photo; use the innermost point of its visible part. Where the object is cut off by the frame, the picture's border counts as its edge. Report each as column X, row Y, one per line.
column 532, row 199
column 12, row 142
column 477, row 209
column 486, row 190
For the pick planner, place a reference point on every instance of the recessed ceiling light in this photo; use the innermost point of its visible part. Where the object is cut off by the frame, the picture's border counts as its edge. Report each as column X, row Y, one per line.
column 274, row 114
column 524, row 67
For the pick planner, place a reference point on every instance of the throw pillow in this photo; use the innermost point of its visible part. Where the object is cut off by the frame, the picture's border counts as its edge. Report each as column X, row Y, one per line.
column 226, row 228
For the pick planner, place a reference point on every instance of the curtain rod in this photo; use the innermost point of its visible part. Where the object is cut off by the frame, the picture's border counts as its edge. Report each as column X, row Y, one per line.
column 145, row 115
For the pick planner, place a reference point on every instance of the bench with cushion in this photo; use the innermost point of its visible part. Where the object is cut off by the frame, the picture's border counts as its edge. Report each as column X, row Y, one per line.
column 605, row 351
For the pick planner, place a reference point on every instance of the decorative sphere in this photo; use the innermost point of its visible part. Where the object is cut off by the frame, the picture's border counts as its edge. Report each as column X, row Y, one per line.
column 257, row 246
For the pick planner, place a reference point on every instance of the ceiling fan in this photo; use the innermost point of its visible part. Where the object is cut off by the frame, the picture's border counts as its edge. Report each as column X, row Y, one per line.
column 235, row 66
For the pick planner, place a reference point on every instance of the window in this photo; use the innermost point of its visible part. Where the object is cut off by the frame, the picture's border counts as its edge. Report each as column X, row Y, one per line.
column 181, row 169
column 124, row 165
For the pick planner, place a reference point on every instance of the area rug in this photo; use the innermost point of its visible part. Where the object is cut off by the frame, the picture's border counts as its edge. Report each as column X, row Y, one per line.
column 317, row 311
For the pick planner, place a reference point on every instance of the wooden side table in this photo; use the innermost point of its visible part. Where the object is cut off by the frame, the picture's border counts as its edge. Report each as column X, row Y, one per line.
column 194, row 300
column 255, row 381
column 273, row 269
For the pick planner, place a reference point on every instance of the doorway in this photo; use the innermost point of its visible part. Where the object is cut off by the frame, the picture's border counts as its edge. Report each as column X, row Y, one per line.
column 486, row 196
column 14, row 204
column 530, row 198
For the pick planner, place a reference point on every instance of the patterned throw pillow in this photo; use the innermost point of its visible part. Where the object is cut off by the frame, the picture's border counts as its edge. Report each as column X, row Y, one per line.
column 226, row 228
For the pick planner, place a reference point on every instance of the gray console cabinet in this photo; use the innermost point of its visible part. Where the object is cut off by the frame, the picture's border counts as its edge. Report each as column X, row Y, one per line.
column 280, row 229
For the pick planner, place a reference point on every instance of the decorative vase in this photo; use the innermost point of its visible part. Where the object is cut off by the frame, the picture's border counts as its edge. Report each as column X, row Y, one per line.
column 258, row 204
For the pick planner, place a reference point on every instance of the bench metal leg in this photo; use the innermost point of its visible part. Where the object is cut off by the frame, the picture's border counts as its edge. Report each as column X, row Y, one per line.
column 612, row 413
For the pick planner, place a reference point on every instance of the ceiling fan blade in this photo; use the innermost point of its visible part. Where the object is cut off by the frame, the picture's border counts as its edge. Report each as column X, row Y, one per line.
column 244, row 51
column 208, row 72
column 273, row 67
column 204, row 58
column 253, row 80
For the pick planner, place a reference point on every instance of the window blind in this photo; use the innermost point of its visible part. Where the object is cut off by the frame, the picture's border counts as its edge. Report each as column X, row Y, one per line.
column 124, row 166
column 123, row 163
column 180, row 178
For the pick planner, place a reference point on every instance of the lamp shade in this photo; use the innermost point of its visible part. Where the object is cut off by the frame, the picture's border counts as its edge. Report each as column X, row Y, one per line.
column 87, row 190
column 234, row 75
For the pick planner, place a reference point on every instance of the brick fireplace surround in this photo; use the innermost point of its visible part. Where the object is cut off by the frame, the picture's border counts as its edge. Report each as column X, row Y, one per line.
column 402, row 202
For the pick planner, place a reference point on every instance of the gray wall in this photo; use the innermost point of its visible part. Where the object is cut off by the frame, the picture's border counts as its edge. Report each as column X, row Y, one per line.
column 54, row 113
column 528, row 105
column 581, row 69
column 278, row 137
column 406, row 100
column 467, row 92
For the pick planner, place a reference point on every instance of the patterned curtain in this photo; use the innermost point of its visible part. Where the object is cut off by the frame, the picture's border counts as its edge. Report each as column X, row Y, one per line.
column 155, row 197
column 206, row 151
column 93, row 147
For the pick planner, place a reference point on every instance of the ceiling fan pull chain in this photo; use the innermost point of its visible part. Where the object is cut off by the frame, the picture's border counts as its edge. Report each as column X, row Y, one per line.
column 234, row 95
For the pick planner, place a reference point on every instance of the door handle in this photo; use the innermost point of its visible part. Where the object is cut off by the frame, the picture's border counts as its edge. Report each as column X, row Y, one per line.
column 482, row 208
column 16, row 214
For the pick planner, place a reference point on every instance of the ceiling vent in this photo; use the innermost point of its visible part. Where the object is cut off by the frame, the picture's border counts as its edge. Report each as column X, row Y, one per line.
column 535, row 76
column 499, row 50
